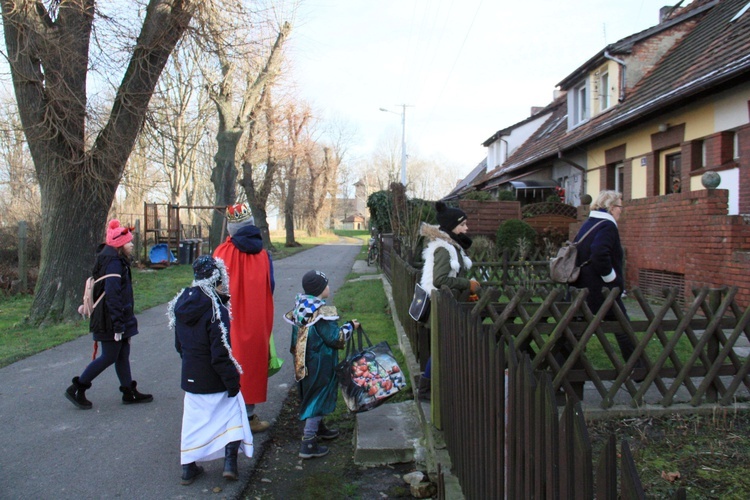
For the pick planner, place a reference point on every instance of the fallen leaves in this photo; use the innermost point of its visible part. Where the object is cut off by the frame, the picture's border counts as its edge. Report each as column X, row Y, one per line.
column 670, row 476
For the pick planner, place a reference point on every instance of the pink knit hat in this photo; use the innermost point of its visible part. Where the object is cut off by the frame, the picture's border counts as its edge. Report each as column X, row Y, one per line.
column 118, row 235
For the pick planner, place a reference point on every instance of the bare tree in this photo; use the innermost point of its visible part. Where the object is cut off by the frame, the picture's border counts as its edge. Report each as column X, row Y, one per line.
column 265, row 171
column 49, row 54
column 177, row 120
column 220, row 33
column 296, row 121
column 19, row 192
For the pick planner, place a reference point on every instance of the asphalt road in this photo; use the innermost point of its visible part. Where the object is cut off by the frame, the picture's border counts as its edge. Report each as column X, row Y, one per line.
column 51, row 449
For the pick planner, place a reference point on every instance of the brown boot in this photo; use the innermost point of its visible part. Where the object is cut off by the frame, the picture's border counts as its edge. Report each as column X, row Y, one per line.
column 258, row 425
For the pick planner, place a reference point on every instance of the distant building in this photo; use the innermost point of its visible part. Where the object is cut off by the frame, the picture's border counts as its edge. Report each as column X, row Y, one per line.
column 352, row 213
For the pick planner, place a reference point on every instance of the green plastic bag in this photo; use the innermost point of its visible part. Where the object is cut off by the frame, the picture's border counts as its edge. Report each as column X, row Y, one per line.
column 274, row 362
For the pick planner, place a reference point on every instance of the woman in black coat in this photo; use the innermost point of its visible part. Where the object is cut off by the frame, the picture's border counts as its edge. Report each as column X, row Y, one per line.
column 113, row 320
column 601, row 256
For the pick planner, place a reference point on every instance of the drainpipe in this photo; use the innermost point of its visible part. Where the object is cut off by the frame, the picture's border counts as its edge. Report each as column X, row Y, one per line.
column 622, row 74
column 506, row 151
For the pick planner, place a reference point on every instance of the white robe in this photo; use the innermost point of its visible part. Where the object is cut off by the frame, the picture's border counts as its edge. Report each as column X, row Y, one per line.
column 209, row 423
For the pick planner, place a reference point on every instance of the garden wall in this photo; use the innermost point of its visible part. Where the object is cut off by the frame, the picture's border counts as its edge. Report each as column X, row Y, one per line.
column 686, row 239
column 486, row 216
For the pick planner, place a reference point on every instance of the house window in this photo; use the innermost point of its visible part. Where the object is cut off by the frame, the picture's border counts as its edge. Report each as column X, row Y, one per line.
column 619, row 178
column 736, row 144
column 604, row 100
column 673, row 173
column 580, row 104
column 704, row 155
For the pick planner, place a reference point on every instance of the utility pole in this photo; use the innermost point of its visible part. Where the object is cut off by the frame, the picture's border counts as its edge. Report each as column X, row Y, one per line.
column 403, row 139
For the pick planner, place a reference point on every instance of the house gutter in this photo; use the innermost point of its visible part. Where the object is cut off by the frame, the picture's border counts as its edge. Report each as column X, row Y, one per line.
column 607, row 55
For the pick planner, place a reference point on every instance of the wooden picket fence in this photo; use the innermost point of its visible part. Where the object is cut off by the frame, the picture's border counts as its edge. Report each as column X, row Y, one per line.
column 550, row 456
column 501, row 424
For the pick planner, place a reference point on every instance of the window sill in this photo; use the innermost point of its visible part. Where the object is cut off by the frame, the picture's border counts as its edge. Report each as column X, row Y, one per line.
column 725, row 166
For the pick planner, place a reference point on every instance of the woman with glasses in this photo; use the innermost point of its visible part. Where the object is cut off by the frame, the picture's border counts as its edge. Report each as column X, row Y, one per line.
column 113, row 322
column 600, row 256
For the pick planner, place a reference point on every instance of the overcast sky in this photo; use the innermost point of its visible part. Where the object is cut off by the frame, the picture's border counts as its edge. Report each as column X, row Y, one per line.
column 466, row 68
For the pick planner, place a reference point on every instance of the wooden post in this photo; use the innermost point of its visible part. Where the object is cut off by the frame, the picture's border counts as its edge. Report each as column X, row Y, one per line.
column 22, row 268
column 137, row 239
column 712, row 347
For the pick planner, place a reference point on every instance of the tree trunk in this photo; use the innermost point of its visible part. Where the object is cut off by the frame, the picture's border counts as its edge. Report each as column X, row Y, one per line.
column 49, row 61
column 232, row 126
column 224, row 179
column 289, row 207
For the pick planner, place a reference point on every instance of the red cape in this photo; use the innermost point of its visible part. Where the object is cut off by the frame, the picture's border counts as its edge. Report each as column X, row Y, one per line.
column 252, row 316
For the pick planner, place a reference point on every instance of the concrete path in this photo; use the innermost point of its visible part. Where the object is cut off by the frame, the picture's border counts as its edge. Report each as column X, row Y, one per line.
column 49, row 449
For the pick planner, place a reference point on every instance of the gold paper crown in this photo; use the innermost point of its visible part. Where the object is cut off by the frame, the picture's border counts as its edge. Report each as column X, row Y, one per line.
column 238, row 213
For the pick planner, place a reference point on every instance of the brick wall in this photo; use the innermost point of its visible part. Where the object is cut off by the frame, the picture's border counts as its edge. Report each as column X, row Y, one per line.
column 485, row 217
column 690, row 234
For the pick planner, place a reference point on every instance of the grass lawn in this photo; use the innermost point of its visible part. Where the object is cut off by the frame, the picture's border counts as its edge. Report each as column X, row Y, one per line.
column 151, row 287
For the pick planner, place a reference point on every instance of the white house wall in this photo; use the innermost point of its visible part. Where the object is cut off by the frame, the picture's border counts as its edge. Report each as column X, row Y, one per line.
column 498, row 151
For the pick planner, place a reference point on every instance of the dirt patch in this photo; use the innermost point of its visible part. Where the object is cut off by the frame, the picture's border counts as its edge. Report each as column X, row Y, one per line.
column 707, row 455
column 281, row 474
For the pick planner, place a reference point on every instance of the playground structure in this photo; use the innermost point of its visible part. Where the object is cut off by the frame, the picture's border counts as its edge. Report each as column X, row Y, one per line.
column 185, row 241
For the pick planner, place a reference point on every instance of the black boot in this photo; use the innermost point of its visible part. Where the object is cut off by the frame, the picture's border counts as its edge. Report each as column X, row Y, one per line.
column 425, row 388
column 326, row 433
column 230, row 460
column 311, row 449
column 130, row 395
column 190, row 472
column 76, row 393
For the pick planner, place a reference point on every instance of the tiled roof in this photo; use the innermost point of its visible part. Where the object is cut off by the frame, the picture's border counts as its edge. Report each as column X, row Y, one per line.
column 550, row 132
column 507, row 130
column 714, row 54
column 625, row 45
column 468, row 180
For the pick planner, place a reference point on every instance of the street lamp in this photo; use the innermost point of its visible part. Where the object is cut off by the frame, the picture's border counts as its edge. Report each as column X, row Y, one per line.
column 403, row 139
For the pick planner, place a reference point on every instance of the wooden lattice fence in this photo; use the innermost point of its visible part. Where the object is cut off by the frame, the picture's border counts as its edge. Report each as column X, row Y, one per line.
column 557, row 334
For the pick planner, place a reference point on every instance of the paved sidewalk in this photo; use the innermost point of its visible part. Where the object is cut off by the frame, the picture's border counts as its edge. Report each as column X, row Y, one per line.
column 53, row 450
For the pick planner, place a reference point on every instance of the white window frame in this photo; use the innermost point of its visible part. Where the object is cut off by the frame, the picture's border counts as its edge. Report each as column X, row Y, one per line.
column 704, row 154
column 619, row 169
column 736, row 144
column 604, row 96
column 580, row 103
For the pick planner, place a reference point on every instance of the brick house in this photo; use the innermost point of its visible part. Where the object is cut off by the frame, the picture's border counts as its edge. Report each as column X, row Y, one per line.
column 648, row 116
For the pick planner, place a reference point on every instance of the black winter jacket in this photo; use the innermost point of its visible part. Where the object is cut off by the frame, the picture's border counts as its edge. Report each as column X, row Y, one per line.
column 602, row 252
column 206, row 365
column 114, row 314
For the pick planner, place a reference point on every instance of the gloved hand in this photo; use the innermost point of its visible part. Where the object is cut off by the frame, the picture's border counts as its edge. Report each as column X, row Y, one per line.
column 118, row 337
column 233, row 392
column 474, row 286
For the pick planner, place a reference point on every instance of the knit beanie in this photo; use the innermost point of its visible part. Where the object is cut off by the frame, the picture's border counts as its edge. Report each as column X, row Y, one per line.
column 314, row 282
column 204, row 267
column 238, row 216
column 118, row 235
column 448, row 218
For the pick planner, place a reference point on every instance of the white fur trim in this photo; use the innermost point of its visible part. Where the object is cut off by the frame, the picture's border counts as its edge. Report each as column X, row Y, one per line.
column 610, row 277
column 428, row 256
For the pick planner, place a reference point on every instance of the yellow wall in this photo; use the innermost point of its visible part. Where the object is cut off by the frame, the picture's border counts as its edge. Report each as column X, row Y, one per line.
column 639, row 179
column 593, row 183
column 699, row 122
column 613, row 69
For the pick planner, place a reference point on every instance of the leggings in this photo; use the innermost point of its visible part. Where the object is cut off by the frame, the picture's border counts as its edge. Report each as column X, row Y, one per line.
column 117, row 353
